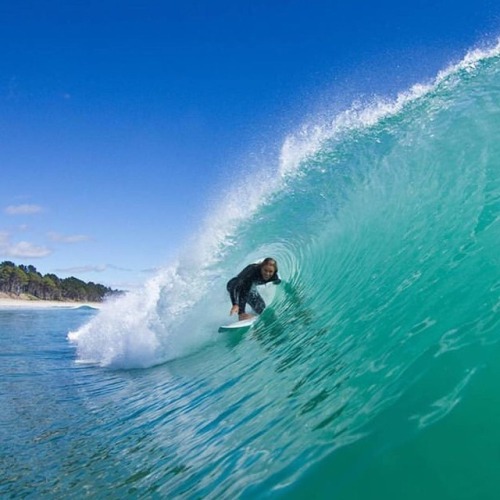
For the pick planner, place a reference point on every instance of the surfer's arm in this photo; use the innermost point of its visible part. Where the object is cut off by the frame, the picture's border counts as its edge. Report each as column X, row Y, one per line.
column 233, row 293
column 239, row 286
column 275, row 280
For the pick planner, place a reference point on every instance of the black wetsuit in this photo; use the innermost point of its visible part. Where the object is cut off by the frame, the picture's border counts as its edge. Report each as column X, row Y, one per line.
column 241, row 291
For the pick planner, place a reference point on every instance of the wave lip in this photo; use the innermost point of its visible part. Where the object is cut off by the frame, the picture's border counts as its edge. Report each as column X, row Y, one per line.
column 311, row 137
column 364, row 214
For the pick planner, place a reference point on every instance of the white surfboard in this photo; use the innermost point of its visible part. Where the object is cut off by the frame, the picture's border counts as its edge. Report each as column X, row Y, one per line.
column 238, row 326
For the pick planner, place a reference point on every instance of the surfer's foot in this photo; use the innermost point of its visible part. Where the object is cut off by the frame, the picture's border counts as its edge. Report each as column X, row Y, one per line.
column 245, row 316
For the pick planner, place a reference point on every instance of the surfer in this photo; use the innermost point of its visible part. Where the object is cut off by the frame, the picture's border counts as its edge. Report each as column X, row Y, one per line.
column 242, row 288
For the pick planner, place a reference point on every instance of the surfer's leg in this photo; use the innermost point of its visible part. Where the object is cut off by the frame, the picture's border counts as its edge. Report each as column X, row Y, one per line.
column 242, row 304
column 256, row 301
column 244, row 299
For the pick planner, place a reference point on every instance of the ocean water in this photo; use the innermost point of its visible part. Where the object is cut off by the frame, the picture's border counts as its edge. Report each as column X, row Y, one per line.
column 373, row 374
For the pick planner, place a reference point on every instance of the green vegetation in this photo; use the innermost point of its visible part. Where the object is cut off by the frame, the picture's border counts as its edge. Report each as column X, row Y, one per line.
column 22, row 279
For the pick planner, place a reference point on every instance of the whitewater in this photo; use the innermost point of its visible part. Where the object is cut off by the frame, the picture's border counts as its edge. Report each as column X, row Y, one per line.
column 374, row 372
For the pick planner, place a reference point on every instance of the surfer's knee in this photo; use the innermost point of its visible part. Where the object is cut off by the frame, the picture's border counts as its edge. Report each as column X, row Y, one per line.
column 257, row 303
column 259, row 308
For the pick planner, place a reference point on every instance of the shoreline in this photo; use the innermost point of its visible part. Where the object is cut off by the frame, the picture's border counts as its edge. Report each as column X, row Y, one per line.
column 18, row 303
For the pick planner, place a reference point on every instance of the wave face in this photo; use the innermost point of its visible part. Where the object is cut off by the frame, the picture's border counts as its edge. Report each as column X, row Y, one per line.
column 385, row 222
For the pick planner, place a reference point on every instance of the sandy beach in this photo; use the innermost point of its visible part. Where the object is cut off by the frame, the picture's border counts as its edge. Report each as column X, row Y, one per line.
column 7, row 302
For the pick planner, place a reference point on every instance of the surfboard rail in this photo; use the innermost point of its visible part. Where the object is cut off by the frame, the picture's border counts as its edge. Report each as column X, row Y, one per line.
column 244, row 324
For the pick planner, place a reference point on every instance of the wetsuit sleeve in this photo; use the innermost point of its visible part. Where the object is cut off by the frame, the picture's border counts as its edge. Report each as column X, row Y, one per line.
column 231, row 288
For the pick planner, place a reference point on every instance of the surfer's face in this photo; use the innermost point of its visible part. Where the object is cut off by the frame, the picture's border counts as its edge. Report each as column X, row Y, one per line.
column 267, row 271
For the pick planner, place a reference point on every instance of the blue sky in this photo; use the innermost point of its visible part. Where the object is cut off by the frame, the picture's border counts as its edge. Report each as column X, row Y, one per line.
column 121, row 121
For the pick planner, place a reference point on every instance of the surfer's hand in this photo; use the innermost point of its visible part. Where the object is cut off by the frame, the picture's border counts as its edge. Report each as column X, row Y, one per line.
column 234, row 310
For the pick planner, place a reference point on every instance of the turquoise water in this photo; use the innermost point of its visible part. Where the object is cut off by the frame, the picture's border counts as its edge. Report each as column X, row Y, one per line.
column 374, row 373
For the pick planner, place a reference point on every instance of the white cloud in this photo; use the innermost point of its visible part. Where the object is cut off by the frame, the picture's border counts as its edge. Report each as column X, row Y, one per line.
column 90, row 269
column 75, row 238
column 21, row 249
column 82, row 269
column 26, row 249
column 24, row 209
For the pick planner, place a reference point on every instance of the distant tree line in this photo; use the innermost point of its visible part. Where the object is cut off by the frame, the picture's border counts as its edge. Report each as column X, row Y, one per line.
column 22, row 279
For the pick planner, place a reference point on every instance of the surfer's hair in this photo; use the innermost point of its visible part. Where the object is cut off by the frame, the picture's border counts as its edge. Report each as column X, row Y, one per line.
column 270, row 260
